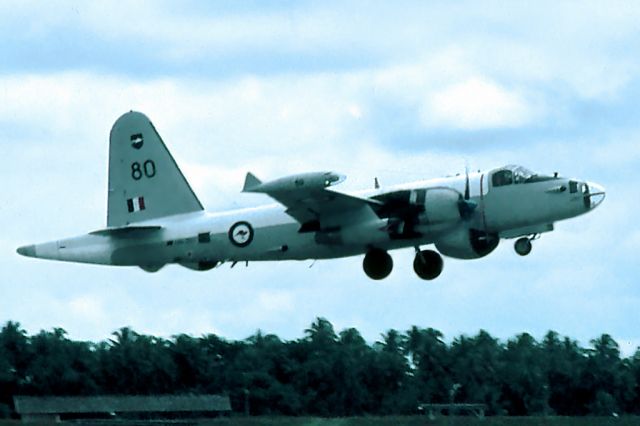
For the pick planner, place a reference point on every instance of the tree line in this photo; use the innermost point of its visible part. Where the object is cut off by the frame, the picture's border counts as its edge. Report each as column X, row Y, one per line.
column 326, row 373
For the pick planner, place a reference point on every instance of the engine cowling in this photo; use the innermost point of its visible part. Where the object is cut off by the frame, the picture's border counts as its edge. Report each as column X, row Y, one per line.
column 441, row 205
column 371, row 232
column 411, row 213
column 467, row 243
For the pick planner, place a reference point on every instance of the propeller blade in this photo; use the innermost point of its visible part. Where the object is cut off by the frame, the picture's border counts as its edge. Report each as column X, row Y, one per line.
column 466, row 183
column 466, row 208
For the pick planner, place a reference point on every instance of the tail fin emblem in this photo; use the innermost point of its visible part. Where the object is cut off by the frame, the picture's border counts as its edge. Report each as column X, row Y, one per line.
column 137, row 140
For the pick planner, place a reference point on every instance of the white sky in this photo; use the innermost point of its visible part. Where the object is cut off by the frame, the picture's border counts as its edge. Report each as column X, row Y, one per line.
column 402, row 91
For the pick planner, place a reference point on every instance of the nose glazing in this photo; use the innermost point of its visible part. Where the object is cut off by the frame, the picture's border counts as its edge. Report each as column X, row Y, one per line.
column 594, row 196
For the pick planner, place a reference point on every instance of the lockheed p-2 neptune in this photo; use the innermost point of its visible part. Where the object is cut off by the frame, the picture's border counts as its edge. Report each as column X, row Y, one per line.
column 154, row 218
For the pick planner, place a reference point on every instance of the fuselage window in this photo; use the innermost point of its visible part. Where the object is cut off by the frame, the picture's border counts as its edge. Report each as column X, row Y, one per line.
column 573, row 186
column 204, row 237
column 502, row 178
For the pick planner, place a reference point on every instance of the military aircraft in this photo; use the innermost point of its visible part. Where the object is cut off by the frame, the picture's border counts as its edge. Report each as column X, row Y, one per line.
column 154, row 218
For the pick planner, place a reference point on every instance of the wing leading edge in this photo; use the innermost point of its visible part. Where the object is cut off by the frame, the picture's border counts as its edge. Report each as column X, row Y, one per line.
column 309, row 200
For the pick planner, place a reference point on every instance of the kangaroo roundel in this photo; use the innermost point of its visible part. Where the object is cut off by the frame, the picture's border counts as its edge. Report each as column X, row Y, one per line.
column 241, row 234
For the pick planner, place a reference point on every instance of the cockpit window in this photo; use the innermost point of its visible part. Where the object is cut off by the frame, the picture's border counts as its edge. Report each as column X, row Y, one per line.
column 502, row 178
column 573, row 186
column 517, row 174
column 521, row 175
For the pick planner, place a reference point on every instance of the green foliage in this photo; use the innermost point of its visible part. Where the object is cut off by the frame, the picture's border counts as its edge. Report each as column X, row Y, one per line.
column 331, row 374
column 15, row 357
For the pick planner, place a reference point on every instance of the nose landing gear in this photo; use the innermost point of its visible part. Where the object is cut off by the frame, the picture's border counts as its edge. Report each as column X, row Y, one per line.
column 427, row 264
column 523, row 245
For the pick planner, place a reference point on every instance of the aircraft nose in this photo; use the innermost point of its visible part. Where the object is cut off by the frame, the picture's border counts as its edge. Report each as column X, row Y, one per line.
column 595, row 195
column 29, row 251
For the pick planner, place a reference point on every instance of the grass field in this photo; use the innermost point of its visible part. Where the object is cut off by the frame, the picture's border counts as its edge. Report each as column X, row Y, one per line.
column 397, row 421
column 423, row 420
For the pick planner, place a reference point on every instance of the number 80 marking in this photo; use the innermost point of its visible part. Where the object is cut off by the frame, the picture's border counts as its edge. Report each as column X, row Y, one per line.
column 147, row 169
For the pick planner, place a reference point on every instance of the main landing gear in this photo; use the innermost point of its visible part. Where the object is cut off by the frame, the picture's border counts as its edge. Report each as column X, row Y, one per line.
column 523, row 246
column 377, row 264
column 427, row 264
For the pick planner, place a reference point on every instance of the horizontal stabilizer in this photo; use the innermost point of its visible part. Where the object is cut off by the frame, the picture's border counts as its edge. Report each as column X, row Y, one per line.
column 126, row 231
column 250, row 182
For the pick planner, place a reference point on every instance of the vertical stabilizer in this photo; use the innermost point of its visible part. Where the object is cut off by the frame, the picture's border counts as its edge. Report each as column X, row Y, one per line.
column 144, row 179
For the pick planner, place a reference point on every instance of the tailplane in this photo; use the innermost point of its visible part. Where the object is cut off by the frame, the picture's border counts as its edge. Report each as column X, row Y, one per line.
column 144, row 179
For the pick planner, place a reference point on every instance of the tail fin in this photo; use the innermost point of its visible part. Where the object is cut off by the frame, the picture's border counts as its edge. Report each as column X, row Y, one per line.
column 144, row 179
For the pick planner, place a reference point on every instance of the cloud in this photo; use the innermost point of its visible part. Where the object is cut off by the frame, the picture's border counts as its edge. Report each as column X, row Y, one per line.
column 476, row 104
column 401, row 93
column 629, row 347
column 220, row 130
column 87, row 308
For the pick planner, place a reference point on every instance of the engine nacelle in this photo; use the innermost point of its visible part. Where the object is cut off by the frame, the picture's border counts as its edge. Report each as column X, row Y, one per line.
column 466, row 243
column 203, row 265
column 373, row 232
column 313, row 180
column 441, row 205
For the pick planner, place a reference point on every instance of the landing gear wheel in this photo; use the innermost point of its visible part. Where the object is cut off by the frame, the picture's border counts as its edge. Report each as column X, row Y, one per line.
column 377, row 264
column 427, row 264
column 523, row 246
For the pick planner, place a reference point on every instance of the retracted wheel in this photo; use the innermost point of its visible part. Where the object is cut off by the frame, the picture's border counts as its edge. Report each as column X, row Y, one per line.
column 523, row 246
column 428, row 264
column 377, row 264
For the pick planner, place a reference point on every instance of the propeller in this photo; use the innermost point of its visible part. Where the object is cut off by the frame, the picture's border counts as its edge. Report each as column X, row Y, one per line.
column 466, row 181
column 466, row 207
column 481, row 240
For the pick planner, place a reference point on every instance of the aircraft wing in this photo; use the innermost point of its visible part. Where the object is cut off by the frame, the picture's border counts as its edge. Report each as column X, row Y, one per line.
column 310, row 202
column 322, row 208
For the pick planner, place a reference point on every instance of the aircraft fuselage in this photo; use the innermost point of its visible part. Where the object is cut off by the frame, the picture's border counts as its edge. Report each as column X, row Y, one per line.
column 203, row 238
column 154, row 218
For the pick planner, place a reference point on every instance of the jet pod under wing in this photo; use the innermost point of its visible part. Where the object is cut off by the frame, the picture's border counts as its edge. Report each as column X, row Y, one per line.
column 310, row 202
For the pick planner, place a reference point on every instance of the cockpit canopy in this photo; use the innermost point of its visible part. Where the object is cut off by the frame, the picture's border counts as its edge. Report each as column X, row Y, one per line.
column 514, row 174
